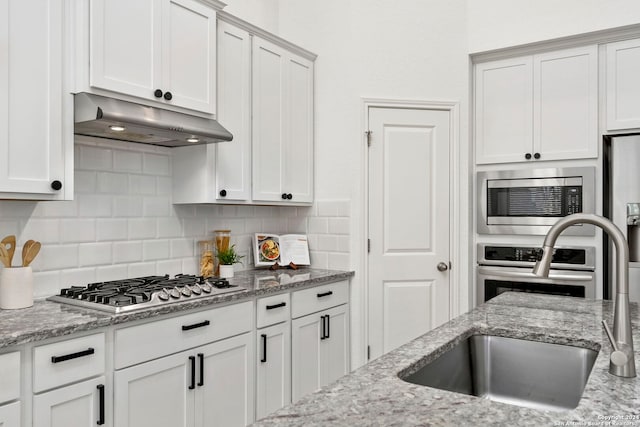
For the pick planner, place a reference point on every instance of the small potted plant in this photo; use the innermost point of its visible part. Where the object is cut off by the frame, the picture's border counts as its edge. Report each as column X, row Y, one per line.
column 227, row 258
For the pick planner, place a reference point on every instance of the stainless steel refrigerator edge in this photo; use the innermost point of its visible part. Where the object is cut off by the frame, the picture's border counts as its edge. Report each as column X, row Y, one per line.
column 622, row 206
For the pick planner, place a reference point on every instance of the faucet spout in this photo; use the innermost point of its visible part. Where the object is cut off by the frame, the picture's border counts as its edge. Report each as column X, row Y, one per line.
column 621, row 341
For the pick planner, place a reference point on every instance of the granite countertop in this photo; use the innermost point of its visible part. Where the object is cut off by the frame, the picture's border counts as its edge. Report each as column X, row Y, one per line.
column 374, row 395
column 47, row 319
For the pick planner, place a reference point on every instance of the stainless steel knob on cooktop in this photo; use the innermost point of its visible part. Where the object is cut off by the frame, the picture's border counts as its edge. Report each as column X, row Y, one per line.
column 442, row 266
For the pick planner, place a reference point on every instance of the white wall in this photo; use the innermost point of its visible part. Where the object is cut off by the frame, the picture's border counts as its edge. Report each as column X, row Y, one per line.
column 495, row 24
column 262, row 13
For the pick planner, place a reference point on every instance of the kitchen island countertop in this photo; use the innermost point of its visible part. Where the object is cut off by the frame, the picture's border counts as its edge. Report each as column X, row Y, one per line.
column 48, row 319
column 374, row 395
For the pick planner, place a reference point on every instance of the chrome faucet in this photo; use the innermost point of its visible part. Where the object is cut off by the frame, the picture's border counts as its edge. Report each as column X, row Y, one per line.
column 621, row 362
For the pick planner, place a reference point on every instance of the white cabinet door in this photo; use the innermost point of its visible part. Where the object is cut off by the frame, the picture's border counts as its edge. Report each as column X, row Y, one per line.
column 503, row 110
column 565, row 102
column 225, row 383
column 305, row 355
column 77, row 405
column 125, row 46
column 36, row 134
column 273, row 362
column 335, row 347
column 282, row 125
column 10, row 415
column 156, row 393
column 189, row 55
column 158, row 50
column 270, row 109
column 233, row 159
column 623, row 85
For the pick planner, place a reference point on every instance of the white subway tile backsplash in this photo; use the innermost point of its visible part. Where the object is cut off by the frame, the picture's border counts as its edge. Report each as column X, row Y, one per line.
column 164, row 185
column 112, row 183
column 43, row 230
column 112, row 272
column 339, row 261
column 169, row 266
column 77, row 277
column 157, row 206
column 339, row 226
column 319, row 259
column 182, row 248
column 141, row 269
column 155, row 249
column 111, row 229
column 318, row 225
column 66, row 209
column 78, row 230
column 128, row 161
column 169, row 227
column 327, row 208
column 142, row 228
column 142, row 184
column 128, row 206
column 90, row 254
column 90, row 205
column 344, row 244
column 94, row 158
column 195, row 227
column 55, row 257
column 46, row 283
column 85, row 181
column 327, row 243
column 125, row 252
column 155, row 164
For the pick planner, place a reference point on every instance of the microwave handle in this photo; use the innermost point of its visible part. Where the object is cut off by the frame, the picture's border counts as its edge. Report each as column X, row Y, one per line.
column 528, row 274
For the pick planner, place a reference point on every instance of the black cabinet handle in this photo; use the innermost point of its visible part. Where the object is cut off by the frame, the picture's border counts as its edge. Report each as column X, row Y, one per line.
column 322, row 328
column 56, row 185
column 157, row 93
column 271, row 307
column 192, row 359
column 527, row 156
column 195, row 325
column 536, row 156
column 328, row 319
column 100, row 388
column 201, row 358
column 223, row 193
column 264, row 348
column 325, row 294
column 87, row 352
column 289, row 196
column 168, row 96
column 284, row 196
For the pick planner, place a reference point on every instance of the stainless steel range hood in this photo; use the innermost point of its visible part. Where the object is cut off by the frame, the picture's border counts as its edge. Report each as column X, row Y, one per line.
column 126, row 121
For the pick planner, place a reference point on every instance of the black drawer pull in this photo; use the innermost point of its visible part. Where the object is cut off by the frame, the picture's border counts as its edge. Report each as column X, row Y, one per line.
column 192, row 359
column 195, row 325
column 325, row 294
column 201, row 357
column 328, row 326
column 264, row 348
column 271, row 307
column 57, row 359
column 323, row 328
column 101, row 408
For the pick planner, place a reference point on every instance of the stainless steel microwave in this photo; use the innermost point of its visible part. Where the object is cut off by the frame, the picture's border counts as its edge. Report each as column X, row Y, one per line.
column 531, row 201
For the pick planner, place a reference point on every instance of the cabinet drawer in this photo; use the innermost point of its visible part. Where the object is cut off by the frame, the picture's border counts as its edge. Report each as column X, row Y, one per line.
column 319, row 298
column 156, row 339
column 10, row 374
column 68, row 361
column 273, row 309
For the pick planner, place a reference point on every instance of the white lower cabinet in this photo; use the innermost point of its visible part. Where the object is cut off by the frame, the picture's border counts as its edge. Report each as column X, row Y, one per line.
column 273, row 368
column 211, row 385
column 320, row 349
column 10, row 415
column 78, row 405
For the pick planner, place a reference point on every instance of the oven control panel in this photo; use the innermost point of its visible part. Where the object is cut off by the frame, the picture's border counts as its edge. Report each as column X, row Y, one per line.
column 570, row 257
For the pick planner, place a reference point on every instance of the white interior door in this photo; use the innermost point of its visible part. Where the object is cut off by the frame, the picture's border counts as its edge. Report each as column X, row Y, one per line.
column 409, row 223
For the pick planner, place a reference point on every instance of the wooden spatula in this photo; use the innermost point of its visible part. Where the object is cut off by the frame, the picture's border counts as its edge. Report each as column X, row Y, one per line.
column 25, row 249
column 9, row 244
column 4, row 256
column 33, row 250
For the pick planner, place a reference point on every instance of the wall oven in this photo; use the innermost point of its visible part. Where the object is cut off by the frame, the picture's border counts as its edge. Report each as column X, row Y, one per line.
column 504, row 268
column 531, row 201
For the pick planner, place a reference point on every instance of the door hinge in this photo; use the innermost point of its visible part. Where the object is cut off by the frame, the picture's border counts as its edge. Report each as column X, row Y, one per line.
column 368, row 134
column 368, row 245
column 368, row 352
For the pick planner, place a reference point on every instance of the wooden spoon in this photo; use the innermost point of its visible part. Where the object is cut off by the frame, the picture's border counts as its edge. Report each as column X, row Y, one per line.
column 9, row 244
column 33, row 250
column 4, row 256
column 25, row 250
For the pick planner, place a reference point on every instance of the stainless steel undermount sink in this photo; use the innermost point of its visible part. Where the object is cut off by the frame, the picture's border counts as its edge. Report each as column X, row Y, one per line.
column 525, row 373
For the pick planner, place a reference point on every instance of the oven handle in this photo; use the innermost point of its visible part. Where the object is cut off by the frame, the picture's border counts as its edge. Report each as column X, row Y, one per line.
column 528, row 274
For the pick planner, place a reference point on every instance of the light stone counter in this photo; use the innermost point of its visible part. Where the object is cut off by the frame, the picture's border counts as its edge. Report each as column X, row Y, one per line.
column 374, row 395
column 47, row 319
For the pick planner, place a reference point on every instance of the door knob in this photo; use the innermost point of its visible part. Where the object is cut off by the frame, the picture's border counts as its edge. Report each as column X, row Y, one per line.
column 442, row 266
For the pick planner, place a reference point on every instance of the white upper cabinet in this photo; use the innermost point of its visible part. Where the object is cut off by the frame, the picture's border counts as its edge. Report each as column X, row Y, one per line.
column 265, row 99
column 282, row 124
column 159, row 50
column 36, row 124
column 623, row 85
column 537, row 107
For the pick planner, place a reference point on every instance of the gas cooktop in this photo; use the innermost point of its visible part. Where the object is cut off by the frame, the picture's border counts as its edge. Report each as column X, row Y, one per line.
column 126, row 295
